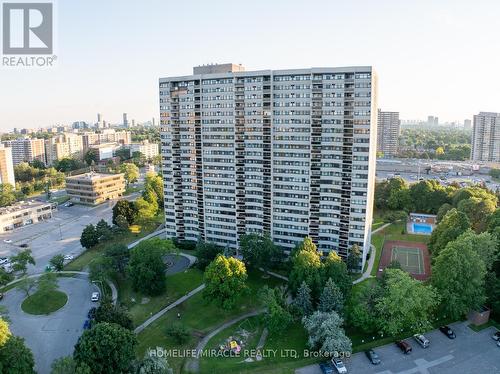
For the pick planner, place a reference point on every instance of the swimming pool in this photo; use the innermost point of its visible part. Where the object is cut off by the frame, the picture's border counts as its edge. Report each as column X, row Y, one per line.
column 422, row 228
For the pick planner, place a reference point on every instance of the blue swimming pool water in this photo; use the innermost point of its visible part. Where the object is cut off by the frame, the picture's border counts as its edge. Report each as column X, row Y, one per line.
column 422, row 228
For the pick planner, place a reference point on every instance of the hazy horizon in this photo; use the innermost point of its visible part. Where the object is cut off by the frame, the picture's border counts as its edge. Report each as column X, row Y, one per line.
column 431, row 59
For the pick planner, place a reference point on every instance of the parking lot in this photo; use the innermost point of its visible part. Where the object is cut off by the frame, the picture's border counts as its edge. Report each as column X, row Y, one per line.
column 61, row 234
column 470, row 353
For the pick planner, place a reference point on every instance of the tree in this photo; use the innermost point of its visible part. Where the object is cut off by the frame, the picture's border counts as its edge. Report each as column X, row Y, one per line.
column 64, row 365
column 485, row 245
column 126, row 209
column 179, row 332
column 405, row 304
column 5, row 277
column 427, row 196
column 353, row 258
column 122, row 223
column 459, row 274
column 277, row 316
column 68, row 164
column 453, row 224
column 154, row 182
column 89, row 237
column 47, row 282
column 331, row 298
column 100, row 269
column 303, row 301
column 206, row 252
column 131, row 172
column 91, row 157
column 154, row 364
column 16, row 358
column 108, row 312
column 7, row 195
column 361, row 311
column 5, row 333
column 57, row 262
column 326, row 333
column 258, row 250
column 103, row 230
column 225, row 280
column 478, row 210
column 145, row 210
column 146, row 267
column 119, row 255
column 107, row 348
column 335, row 268
column 26, row 285
column 445, row 208
column 306, row 267
column 123, row 153
column 21, row 260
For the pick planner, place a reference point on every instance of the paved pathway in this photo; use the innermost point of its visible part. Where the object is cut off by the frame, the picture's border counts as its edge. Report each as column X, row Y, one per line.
column 153, row 318
column 193, row 365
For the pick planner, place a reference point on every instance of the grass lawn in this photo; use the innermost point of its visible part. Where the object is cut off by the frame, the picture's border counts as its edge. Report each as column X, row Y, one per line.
column 131, row 189
column 177, row 285
column 44, row 302
column 82, row 261
column 294, row 338
column 378, row 242
column 394, row 232
column 201, row 317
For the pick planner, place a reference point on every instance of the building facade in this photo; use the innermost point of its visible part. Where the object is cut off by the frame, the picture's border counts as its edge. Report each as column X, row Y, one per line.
column 105, row 136
column 26, row 150
column 6, row 166
column 486, row 137
column 94, row 188
column 66, row 145
column 289, row 153
column 24, row 213
column 388, row 127
column 149, row 150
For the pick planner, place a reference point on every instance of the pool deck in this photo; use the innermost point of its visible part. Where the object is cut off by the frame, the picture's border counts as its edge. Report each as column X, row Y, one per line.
column 409, row 228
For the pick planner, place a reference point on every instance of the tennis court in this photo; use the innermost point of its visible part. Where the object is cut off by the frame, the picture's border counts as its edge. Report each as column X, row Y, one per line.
column 411, row 259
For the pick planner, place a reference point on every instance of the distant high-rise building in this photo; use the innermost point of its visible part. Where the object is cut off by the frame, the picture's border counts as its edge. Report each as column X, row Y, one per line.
column 125, row 120
column 100, row 123
column 26, row 150
column 486, row 137
column 467, row 124
column 80, row 125
column 388, row 133
column 153, row 122
column 288, row 153
column 432, row 121
column 133, row 123
column 6, row 166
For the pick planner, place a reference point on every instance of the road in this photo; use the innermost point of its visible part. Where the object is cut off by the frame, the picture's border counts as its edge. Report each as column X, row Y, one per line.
column 59, row 235
column 470, row 353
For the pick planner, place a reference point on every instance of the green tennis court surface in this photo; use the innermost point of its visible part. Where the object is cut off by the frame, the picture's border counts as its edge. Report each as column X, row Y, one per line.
column 411, row 259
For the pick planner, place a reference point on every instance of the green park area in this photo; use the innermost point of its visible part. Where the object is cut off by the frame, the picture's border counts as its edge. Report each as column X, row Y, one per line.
column 44, row 302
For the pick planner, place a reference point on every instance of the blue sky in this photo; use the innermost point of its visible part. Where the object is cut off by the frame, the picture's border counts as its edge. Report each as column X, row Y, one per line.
column 438, row 57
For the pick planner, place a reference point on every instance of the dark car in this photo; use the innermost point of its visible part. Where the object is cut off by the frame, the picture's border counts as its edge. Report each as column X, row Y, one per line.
column 326, row 368
column 448, row 332
column 404, row 346
column 1, row 296
column 373, row 357
column 91, row 313
column 86, row 325
column 24, row 245
column 496, row 336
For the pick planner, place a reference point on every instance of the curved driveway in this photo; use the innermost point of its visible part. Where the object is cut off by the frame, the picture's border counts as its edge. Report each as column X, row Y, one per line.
column 54, row 335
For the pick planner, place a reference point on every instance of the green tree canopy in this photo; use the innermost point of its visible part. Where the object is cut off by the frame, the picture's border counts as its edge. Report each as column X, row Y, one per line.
column 478, row 210
column 126, row 209
column 7, row 195
column 21, row 260
column 326, row 333
column 331, row 298
column 131, row 172
column 453, row 224
column 258, row 250
column 206, row 252
column 89, row 237
column 16, row 358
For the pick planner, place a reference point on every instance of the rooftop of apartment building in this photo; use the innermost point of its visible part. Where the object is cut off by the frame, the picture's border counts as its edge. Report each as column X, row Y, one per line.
column 23, row 205
column 92, row 176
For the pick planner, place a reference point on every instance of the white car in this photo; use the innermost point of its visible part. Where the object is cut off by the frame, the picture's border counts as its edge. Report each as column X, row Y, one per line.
column 68, row 257
column 7, row 241
column 422, row 340
column 339, row 365
column 95, row 296
column 3, row 260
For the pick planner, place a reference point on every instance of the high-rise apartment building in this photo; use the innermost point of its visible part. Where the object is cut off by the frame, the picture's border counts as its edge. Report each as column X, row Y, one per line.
column 6, row 166
column 26, row 150
column 486, row 137
column 388, row 125
column 105, row 136
column 125, row 120
column 66, row 145
column 289, row 153
column 149, row 150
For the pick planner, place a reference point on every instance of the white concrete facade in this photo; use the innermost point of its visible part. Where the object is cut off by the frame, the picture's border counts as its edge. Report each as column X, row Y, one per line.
column 289, row 153
column 486, row 137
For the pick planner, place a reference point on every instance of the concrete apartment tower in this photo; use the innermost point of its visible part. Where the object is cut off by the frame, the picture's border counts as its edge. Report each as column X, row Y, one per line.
column 6, row 166
column 388, row 127
column 125, row 120
column 486, row 137
column 289, row 153
column 26, row 150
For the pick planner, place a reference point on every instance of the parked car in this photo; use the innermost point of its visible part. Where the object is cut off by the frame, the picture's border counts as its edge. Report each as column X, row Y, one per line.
column 91, row 313
column 496, row 336
column 326, row 368
column 404, row 346
column 3, row 260
column 24, row 245
column 339, row 365
column 8, row 241
column 373, row 357
column 422, row 340
column 448, row 332
column 68, row 204
column 95, row 296
column 68, row 257
column 86, row 325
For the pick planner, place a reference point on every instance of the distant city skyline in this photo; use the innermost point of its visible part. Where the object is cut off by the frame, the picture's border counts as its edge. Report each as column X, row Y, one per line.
column 110, row 57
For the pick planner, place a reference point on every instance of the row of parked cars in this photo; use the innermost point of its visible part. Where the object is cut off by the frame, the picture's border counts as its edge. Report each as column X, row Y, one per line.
column 336, row 365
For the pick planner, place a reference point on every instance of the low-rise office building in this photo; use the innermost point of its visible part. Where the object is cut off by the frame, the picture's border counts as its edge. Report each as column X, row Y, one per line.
column 24, row 213
column 95, row 188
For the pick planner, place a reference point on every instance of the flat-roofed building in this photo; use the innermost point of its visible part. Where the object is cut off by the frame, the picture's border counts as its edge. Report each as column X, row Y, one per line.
column 6, row 166
column 95, row 188
column 24, row 213
column 149, row 150
column 26, row 150
column 486, row 137
column 388, row 125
